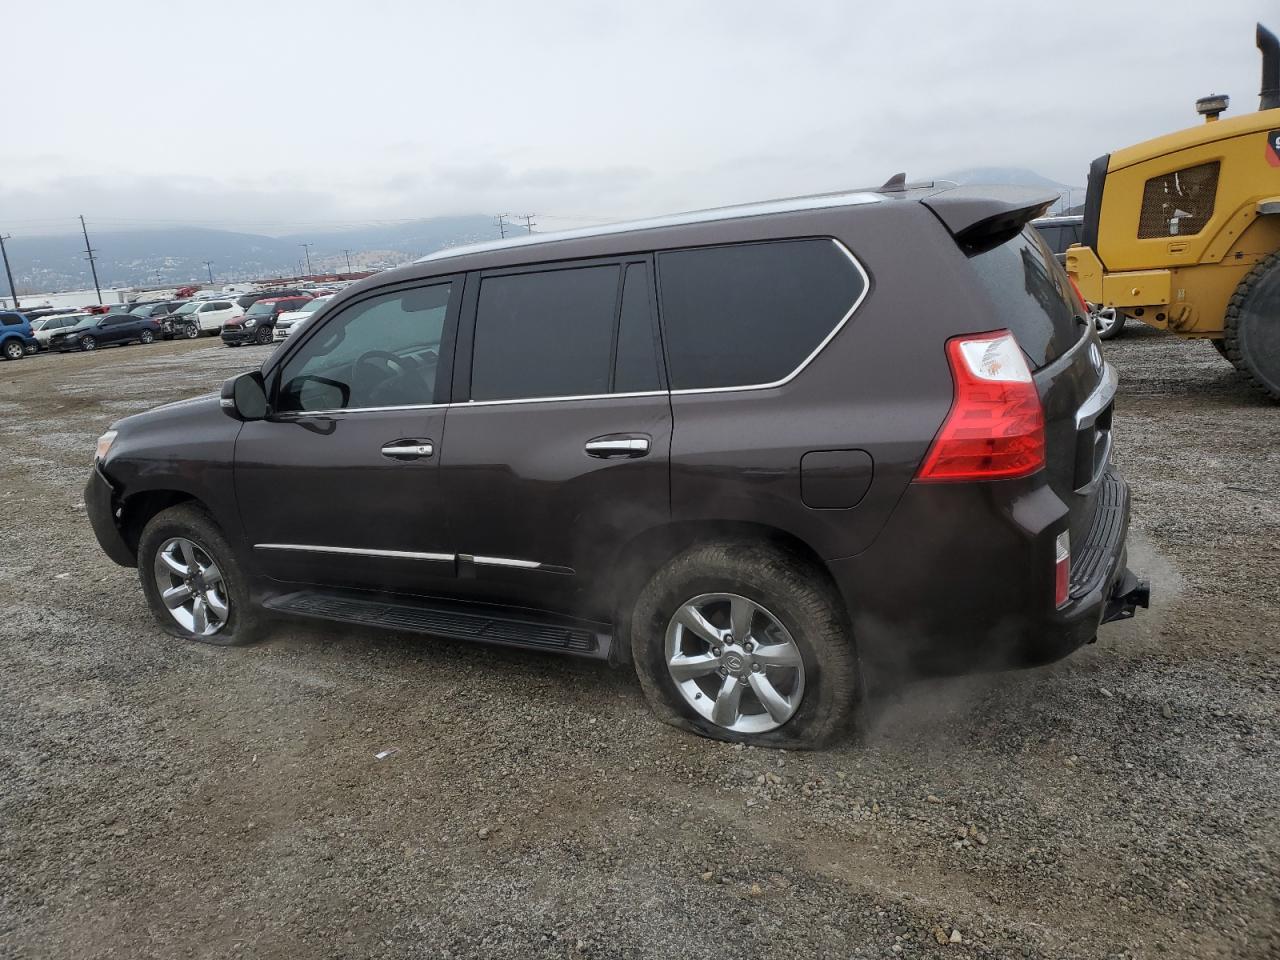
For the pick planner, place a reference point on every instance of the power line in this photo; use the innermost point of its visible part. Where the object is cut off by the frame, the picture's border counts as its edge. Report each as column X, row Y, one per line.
column 500, row 221
column 528, row 221
column 92, row 260
column 13, row 291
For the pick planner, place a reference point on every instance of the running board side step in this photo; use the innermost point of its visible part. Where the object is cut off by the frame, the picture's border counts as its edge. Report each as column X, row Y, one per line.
column 481, row 624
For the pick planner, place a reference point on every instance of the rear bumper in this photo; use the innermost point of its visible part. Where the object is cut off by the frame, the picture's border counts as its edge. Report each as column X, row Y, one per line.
column 961, row 578
column 100, row 504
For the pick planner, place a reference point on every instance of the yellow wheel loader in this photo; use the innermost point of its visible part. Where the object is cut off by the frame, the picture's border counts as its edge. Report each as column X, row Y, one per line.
column 1183, row 231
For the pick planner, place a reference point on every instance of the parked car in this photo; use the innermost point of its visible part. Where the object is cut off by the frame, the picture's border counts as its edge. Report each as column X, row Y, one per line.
column 247, row 300
column 16, row 336
column 1059, row 234
column 706, row 445
column 105, row 329
column 45, row 328
column 210, row 315
column 292, row 320
column 171, row 326
column 259, row 321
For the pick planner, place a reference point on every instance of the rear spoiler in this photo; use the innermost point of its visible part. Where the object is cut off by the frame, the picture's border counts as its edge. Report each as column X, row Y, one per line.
column 979, row 217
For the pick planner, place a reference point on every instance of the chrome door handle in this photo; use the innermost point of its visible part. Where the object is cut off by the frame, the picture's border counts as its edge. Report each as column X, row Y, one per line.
column 408, row 449
column 618, row 445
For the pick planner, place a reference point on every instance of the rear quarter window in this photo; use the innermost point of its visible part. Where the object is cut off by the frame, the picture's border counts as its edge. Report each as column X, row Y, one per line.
column 1032, row 296
column 11, row 319
column 752, row 314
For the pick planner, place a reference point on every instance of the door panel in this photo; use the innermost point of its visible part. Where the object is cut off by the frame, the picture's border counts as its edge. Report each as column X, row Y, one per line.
column 340, row 486
column 563, row 357
column 323, row 481
column 541, row 516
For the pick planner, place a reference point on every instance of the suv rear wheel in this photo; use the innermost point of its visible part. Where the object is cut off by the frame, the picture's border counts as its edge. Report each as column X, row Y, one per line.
column 741, row 641
column 192, row 581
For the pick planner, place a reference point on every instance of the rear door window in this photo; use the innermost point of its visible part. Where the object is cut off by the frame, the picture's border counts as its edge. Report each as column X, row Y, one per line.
column 545, row 334
column 1032, row 296
column 752, row 314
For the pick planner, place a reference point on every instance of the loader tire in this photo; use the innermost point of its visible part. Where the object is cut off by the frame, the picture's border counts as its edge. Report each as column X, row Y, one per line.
column 1251, row 333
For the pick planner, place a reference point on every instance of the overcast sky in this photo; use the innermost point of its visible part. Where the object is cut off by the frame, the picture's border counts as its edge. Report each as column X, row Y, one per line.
column 274, row 115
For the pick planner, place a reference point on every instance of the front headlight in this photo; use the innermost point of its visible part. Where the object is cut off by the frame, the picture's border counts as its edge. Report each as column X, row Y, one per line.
column 104, row 445
column 248, row 324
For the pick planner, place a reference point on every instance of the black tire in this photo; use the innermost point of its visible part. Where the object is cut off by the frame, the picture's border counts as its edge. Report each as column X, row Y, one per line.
column 88, row 343
column 264, row 335
column 13, row 349
column 146, row 336
column 245, row 622
column 794, row 591
column 1251, row 331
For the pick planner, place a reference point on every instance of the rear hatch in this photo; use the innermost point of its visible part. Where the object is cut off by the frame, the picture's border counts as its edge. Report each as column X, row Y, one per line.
column 1031, row 296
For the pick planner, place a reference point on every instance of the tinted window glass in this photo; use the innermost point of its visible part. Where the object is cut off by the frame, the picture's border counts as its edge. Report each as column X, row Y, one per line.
column 10, row 319
column 545, row 334
column 220, row 305
column 752, row 313
column 636, row 367
column 380, row 352
column 1053, row 236
column 1032, row 296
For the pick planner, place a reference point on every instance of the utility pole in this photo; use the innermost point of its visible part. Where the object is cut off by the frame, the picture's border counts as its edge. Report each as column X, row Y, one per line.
column 208, row 265
column 306, row 247
column 13, row 291
column 500, row 221
column 528, row 221
column 92, row 264
column 347, row 254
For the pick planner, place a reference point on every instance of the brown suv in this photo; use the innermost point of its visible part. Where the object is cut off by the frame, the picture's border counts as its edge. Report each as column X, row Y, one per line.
column 754, row 451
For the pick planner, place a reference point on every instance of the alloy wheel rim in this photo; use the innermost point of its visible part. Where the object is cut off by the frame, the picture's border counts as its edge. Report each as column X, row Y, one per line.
column 88, row 343
column 191, row 586
column 1104, row 318
column 735, row 663
column 14, row 350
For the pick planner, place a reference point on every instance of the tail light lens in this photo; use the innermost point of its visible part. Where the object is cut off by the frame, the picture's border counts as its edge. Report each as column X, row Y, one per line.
column 995, row 428
column 1062, row 569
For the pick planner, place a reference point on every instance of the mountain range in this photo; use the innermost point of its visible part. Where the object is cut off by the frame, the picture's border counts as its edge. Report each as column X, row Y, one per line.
column 176, row 255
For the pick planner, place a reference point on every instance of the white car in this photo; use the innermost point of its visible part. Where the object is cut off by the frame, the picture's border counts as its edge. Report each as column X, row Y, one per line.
column 46, row 327
column 210, row 314
column 292, row 320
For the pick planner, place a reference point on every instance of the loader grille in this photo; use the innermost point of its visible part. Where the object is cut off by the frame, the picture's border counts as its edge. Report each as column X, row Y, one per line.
column 1178, row 204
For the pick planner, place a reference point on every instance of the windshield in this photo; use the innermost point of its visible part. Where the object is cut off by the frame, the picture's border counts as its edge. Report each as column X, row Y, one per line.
column 186, row 308
column 314, row 305
column 260, row 309
column 89, row 321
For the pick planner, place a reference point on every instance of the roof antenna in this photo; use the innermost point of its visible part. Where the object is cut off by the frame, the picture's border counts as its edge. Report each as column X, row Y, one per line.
column 895, row 184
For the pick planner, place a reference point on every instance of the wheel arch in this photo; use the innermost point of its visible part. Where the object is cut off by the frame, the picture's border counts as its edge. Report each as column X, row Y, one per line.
column 137, row 510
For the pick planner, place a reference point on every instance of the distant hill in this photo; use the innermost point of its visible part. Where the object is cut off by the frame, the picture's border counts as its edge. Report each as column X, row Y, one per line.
column 165, row 257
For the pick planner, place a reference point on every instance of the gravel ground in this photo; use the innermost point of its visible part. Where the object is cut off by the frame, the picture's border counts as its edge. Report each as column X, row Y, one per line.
column 167, row 800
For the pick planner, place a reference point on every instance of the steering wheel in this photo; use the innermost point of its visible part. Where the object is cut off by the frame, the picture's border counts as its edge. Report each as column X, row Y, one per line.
column 370, row 380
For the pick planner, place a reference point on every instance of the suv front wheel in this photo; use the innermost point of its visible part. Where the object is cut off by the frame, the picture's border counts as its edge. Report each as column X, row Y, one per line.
column 745, row 642
column 192, row 582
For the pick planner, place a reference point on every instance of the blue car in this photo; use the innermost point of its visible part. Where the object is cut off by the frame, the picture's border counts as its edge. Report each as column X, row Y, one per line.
column 16, row 337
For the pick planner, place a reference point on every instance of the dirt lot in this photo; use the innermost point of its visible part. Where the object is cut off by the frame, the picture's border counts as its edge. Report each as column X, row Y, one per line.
column 167, row 800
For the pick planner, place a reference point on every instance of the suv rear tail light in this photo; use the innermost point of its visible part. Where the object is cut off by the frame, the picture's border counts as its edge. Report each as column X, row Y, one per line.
column 1061, row 569
column 995, row 428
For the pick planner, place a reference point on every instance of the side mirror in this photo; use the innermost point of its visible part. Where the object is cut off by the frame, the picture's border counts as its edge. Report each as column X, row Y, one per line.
column 245, row 397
